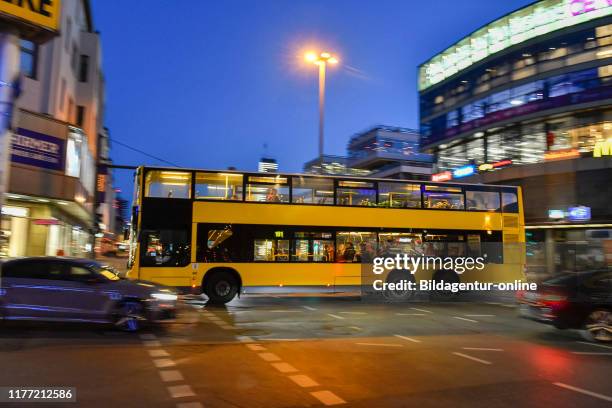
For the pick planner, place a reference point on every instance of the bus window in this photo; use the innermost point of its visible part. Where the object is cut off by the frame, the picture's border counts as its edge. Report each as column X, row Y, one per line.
column 440, row 197
column 271, row 250
column 168, row 184
column 271, row 189
column 313, row 246
column 355, row 246
column 312, row 190
column 323, row 250
column 392, row 243
column 399, row 195
column 166, row 248
column 218, row 186
column 509, row 202
column 444, row 245
column 356, row 193
column 482, row 200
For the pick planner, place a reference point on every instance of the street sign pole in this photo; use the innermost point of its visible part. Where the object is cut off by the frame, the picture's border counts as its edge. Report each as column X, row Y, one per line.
column 9, row 74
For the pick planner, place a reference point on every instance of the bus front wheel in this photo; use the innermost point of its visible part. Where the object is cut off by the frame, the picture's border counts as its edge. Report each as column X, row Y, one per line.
column 221, row 287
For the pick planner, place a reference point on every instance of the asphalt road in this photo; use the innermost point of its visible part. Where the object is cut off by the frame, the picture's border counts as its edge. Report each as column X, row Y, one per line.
column 315, row 351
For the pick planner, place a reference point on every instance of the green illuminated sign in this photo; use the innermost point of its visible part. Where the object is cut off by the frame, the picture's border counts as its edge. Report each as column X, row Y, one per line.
column 515, row 28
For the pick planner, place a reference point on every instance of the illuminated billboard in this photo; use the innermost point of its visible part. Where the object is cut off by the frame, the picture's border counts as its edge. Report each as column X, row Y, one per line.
column 529, row 22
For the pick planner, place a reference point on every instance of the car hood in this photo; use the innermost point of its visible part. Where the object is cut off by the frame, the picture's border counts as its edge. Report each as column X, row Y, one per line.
column 140, row 287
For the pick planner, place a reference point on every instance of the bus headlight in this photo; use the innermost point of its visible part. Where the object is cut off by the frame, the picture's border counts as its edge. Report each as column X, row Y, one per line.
column 164, row 296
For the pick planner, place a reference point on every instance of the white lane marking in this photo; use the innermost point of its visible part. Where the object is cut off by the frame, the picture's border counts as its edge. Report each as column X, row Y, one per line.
column 226, row 327
column 591, row 353
column 354, row 313
column 465, row 319
column 245, row 339
column 355, row 328
column 380, row 344
column 328, row 397
column 256, row 347
column 171, row 375
column 285, row 367
column 151, row 343
column 285, row 311
column 189, row 405
column 335, row 316
column 407, row 338
column 281, row 339
column 303, row 380
column 163, row 363
column 472, row 358
column 158, row 353
column 410, row 314
column 180, row 391
column 148, row 336
column 594, row 344
column 312, row 309
column 479, row 315
column 269, row 356
column 421, row 310
column 482, row 349
column 583, row 391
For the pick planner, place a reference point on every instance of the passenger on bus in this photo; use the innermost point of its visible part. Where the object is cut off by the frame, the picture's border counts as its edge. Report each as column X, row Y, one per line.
column 349, row 252
column 273, row 196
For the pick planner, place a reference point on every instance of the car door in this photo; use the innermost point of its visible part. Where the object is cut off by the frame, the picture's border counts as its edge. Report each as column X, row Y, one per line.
column 29, row 289
column 87, row 293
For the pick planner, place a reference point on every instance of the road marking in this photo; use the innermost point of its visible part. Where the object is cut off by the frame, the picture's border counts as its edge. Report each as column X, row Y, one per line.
column 472, row 358
column 151, row 343
column 285, row 367
column 158, row 353
column 407, row 338
column 226, row 327
column 585, row 392
column 482, row 349
column 269, row 356
column 587, row 353
column 148, row 336
column 281, row 339
column 354, row 313
column 465, row 319
column 355, row 328
column 421, row 310
column 245, row 339
column 180, row 391
column 285, row 311
column 594, row 344
column 335, row 316
column 410, row 314
column 303, row 380
column 380, row 344
column 189, row 405
column 171, row 375
column 256, row 347
column 479, row 315
column 312, row 309
column 164, row 362
column 328, row 397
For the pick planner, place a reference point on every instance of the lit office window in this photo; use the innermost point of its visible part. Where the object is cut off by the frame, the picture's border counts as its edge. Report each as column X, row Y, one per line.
column 28, row 58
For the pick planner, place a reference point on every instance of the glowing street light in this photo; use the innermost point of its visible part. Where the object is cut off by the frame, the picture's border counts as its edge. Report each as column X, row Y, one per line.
column 321, row 59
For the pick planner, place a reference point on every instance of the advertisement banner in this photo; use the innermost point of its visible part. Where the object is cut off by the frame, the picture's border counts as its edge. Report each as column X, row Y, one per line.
column 37, row 149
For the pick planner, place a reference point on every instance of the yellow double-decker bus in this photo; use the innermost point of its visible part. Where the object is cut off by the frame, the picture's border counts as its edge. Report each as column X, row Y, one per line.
column 225, row 233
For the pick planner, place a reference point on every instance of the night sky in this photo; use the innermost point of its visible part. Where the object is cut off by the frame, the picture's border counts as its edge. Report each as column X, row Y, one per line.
column 206, row 84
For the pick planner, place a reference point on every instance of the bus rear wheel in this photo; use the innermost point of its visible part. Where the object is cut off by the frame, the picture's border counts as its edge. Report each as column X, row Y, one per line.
column 221, row 287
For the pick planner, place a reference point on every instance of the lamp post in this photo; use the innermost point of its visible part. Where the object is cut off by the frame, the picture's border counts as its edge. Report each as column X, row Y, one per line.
column 321, row 59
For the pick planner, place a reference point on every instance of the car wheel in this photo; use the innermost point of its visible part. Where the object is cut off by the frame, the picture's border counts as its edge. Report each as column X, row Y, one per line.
column 598, row 326
column 399, row 295
column 129, row 316
column 221, row 288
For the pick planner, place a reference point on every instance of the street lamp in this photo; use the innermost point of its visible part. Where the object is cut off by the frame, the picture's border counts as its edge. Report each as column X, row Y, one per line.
column 321, row 59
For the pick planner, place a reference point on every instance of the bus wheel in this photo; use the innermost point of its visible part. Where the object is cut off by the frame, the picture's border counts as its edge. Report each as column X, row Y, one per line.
column 403, row 294
column 445, row 277
column 221, row 287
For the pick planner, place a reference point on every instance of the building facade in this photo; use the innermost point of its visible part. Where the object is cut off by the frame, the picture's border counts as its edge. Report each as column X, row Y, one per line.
column 51, row 203
column 527, row 100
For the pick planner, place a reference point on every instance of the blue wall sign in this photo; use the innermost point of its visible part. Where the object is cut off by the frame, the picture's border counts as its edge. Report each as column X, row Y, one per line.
column 37, row 149
column 580, row 213
column 464, row 171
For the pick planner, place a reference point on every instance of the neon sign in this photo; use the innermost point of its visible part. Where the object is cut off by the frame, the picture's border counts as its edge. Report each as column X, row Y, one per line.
column 561, row 155
column 495, row 165
column 603, row 148
column 464, row 171
column 580, row 213
column 444, row 176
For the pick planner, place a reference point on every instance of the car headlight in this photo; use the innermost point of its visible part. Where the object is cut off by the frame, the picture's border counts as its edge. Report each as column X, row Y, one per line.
column 164, row 296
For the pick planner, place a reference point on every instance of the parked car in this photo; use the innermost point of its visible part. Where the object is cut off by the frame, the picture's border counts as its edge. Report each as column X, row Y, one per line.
column 573, row 301
column 81, row 290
